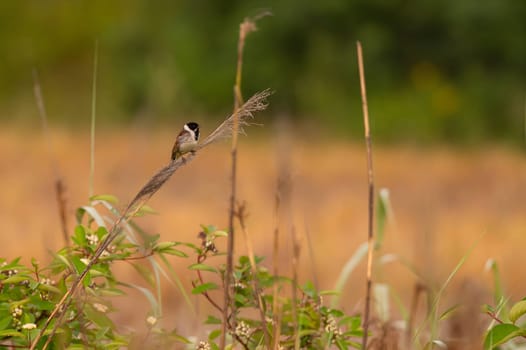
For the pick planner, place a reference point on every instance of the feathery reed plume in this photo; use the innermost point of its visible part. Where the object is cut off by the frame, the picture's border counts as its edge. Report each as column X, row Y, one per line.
column 60, row 188
column 245, row 113
column 370, row 177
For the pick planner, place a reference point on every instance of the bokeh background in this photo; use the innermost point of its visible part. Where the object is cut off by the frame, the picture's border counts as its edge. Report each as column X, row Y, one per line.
column 447, row 91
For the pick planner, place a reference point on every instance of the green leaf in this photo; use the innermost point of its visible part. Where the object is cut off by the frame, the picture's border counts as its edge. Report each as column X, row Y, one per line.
column 502, row 333
column 34, row 263
column 145, row 210
column 329, row 292
column 176, row 252
column 204, row 288
column 77, row 347
column 167, row 248
column 448, row 312
column 105, row 197
column 49, row 288
column 111, row 292
column 517, row 311
column 179, row 338
column 5, row 322
column 220, row 233
column 202, row 267
column 208, row 228
column 341, row 344
column 97, row 317
column 79, row 236
column 10, row 333
column 78, row 264
column 163, row 245
column 305, row 332
column 345, row 273
column 92, row 212
column 212, row 320
column 382, row 209
column 62, row 259
column 42, row 304
column 498, row 292
column 57, row 331
column 309, row 289
column 241, row 300
column 351, row 322
column 214, row 334
column 79, row 267
column 145, row 273
column 15, row 279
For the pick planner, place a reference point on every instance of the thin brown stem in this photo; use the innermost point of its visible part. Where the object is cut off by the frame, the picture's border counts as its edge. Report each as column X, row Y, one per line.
column 498, row 320
column 200, row 259
column 206, row 295
column 275, row 267
column 419, row 288
column 241, row 215
column 370, row 178
column 60, row 188
column 140, row 257
column 295, row 260
column 247, row 26
column 281, row 211
column 312, row 257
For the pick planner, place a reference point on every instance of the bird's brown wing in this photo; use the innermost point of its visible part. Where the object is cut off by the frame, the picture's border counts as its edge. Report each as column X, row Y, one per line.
column 182, row 138
column 174, row 151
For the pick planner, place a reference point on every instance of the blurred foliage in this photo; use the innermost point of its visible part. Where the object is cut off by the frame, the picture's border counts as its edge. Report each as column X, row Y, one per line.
column 446, row 70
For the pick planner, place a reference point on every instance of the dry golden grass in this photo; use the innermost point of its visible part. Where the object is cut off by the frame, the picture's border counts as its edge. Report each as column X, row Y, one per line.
column 443, row 201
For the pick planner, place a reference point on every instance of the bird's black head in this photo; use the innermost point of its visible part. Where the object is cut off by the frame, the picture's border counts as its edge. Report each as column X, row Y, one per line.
column 194, row 127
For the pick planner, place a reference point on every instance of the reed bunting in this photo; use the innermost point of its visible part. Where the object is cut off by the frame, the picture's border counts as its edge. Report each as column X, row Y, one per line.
column 186, row 141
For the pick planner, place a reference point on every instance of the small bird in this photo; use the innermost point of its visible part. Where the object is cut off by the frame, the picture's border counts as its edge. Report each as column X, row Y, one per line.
column 186, row 141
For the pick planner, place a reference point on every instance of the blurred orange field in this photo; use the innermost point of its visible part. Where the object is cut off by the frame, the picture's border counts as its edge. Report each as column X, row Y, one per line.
column 444, row 201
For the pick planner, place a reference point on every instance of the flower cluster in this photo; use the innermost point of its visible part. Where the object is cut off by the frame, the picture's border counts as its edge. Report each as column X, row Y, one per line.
column 151, row 320
column 331, row 326
column 29, row 326
column 8, row 273
column 243, row 330
column 17, row 314
column 48, row 281
column 203, row 345
column 92, row 238
column 100, row 307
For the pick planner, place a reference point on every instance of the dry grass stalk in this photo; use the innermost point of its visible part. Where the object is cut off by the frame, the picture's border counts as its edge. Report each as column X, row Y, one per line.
column 370, row 177
column 281, row 205
column 241, row 214
column 60, row 188
column 245, row 28
column 296, row 249
column 419, row 289
column 244, row 113
column 93, row 115
column 275, row 266
column 312, row 257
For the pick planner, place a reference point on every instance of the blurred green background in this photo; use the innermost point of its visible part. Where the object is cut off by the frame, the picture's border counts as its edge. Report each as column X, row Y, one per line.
column 436, row 70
